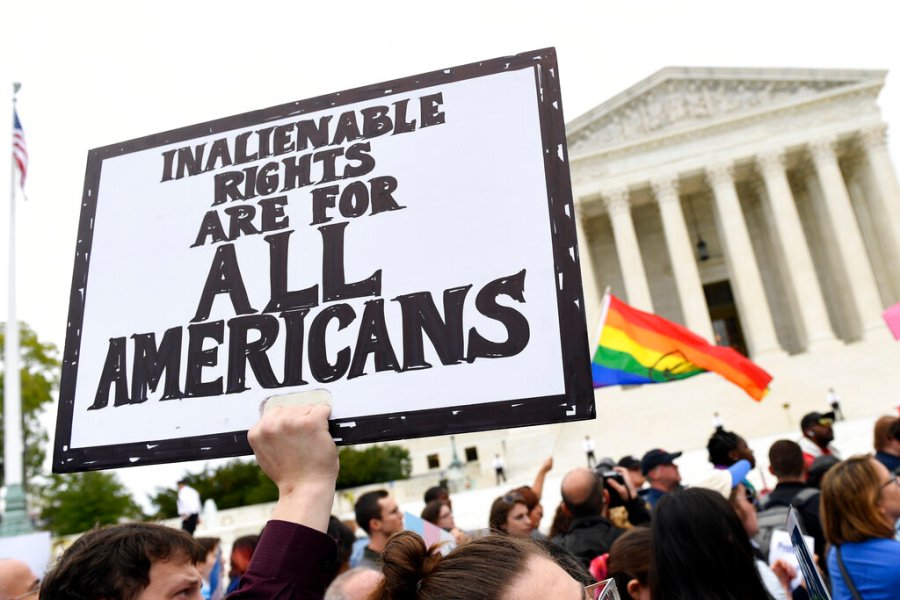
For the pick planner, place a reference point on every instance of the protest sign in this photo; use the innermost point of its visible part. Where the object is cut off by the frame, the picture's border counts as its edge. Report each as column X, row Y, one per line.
column 34, row 549
column 781, row 548
column 408, row 246
column 815, row 585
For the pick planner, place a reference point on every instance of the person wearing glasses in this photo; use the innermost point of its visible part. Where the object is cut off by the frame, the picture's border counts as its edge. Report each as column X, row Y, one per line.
column 439, row 512
column 860, row 507
column 817, row 437
column 17, row 580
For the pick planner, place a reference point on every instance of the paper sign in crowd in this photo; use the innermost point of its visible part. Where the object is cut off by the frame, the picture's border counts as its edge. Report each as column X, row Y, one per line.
column 408, row 246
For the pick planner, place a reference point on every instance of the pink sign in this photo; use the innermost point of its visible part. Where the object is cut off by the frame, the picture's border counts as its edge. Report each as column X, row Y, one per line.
column 892, row 318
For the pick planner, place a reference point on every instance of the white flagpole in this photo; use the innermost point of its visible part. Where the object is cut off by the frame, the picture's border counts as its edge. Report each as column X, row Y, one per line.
column 15, row 515
column 604, row 308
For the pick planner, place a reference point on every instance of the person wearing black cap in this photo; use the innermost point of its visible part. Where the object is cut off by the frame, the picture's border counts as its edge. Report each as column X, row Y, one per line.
column 659, row 468
column 817, row 437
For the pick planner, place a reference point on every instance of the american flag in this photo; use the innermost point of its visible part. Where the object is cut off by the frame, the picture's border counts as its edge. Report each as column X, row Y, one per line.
column 20, row 153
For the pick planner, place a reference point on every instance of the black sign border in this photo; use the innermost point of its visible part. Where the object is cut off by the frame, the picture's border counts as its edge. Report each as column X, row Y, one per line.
column 577, row 401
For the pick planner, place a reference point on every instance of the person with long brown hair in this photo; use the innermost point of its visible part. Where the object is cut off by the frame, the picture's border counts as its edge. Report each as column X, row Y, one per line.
column 509, row 515
column 492, row 567
column 860, row 507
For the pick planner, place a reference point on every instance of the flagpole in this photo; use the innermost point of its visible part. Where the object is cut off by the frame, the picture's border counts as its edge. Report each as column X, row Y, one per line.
column 604, row 308
column 15, row 514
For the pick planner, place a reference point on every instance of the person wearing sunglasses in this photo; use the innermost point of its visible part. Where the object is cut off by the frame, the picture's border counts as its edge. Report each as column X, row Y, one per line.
column 860, row 507
column 817, row 437
column 510, row 516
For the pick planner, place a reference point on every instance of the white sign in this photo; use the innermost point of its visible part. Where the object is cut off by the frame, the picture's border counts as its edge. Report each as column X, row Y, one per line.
column 31, row 548
column 781, row 548
column 408, row 246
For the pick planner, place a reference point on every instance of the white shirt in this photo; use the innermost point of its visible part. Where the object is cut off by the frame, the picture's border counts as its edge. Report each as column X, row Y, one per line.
column 588, row 445
column 188, row 501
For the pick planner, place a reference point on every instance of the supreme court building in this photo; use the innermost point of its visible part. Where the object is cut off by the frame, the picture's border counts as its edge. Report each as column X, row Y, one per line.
column 758, row 207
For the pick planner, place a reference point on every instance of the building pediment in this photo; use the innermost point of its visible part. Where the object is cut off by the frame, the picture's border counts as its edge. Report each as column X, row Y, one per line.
column 678, row 99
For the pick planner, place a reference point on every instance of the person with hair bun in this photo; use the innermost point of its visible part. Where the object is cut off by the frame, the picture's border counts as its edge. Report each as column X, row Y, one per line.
column 510, row 516
column 493, row 567
column 860, row 507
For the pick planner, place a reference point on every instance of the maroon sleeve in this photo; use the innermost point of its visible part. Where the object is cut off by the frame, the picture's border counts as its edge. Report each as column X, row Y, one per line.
column 289, row 563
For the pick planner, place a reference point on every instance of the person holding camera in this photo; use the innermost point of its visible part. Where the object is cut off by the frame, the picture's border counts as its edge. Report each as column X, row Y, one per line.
column 587, row 496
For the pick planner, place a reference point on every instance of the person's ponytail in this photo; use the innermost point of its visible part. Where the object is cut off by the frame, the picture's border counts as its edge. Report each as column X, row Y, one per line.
column 406, row 564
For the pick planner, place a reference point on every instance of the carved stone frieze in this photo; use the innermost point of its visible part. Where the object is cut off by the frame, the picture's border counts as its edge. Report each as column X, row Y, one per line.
column 676, row 103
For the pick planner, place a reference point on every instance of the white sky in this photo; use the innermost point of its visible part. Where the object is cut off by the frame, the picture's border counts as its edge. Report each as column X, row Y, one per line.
column 96, row 73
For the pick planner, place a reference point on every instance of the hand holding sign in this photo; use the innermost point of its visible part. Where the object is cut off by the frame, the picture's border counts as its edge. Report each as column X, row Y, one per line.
column 293, row 447
column 409, row 246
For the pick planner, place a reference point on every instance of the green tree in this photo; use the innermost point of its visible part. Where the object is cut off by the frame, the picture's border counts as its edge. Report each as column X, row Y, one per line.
column 39, row 371
column 375, row 464
column 77, row 502
column 236, row 483
column 242, row 483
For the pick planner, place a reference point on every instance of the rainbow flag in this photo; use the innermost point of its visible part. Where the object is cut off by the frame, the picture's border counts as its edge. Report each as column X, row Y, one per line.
column 636, row 347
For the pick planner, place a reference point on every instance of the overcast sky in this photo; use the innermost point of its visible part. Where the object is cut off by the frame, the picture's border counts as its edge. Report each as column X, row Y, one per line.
column 95, row 73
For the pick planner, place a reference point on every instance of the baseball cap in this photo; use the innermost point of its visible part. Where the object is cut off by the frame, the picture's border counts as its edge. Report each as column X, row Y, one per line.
column 814, row 417
column 724, row 480
column 657, row 457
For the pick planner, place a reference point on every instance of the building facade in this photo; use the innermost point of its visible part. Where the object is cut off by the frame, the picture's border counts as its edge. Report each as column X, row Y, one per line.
column 758, row 207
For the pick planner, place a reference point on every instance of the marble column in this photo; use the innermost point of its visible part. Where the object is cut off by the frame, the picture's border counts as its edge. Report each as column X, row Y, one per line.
column 886, row 201
column 681, row 255
column 636, row 287
column 756, row 319
column 802, row 282
column 588, row 272
column 844, row 231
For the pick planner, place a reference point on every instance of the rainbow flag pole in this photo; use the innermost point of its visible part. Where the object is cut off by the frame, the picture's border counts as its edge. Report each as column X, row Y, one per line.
column 635, row 347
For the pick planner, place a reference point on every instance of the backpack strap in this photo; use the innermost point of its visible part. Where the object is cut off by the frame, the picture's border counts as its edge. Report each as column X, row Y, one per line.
column 804, row 496
column 853, row 591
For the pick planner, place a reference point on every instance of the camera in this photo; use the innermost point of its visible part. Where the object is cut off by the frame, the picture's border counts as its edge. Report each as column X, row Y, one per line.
column 614, row 498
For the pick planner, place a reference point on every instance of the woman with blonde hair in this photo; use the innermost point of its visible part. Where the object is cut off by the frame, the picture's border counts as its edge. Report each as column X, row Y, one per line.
column 860, row 507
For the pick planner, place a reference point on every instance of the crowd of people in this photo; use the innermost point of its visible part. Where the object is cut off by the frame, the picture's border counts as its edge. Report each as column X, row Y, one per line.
column 632, row 521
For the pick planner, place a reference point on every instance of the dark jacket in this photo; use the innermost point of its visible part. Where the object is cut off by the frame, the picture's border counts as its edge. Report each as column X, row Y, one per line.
column 784, row 494
column 291, row 562
column 588, row 537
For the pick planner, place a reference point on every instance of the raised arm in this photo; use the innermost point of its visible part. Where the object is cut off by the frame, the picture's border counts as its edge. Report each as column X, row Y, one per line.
column 293, row 447
column 538, row 486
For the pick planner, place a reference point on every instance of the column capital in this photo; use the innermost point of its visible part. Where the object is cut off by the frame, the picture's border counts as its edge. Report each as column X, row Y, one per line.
column 617, row 201
column 823, row 149
column 720, row 174
column 665, row 188
column 770, row 161
column 580, row 208
column 874, row 136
